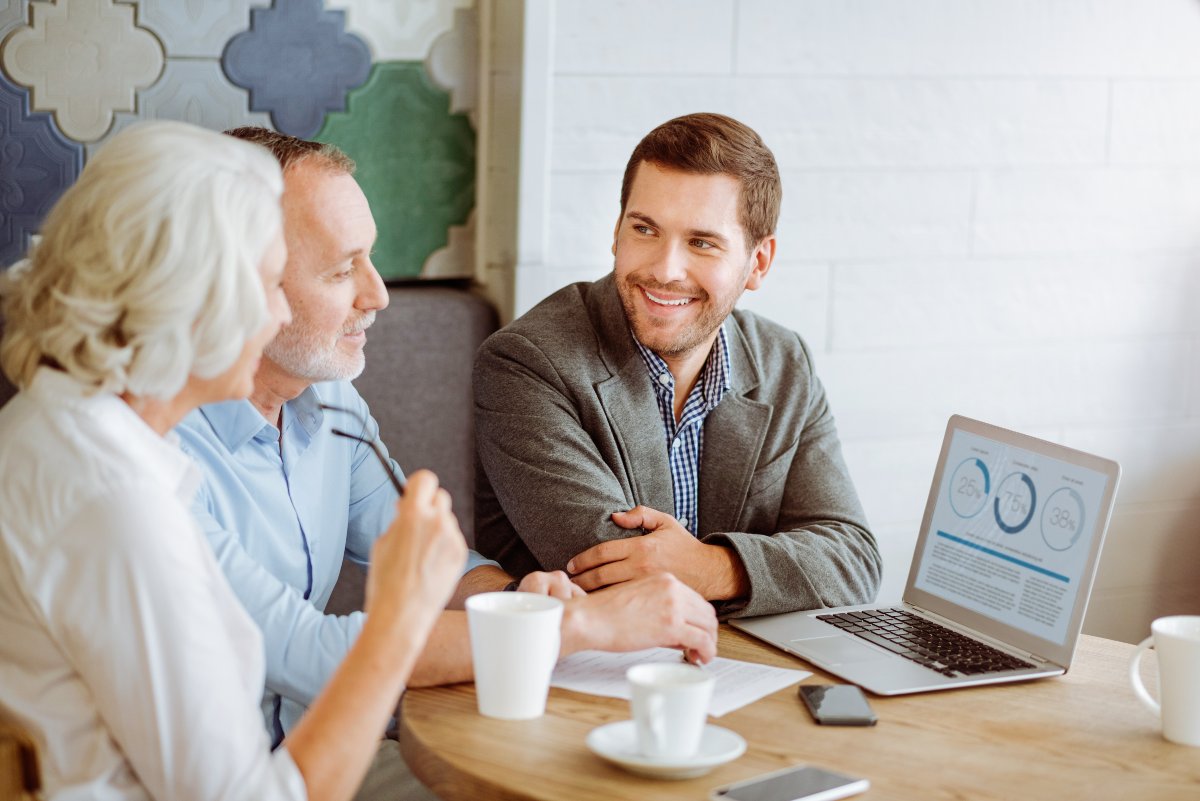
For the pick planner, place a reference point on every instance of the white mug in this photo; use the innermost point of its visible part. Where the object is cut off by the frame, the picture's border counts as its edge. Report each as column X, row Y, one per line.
column 670, row 706
column 1177, row 640
column 514, row 647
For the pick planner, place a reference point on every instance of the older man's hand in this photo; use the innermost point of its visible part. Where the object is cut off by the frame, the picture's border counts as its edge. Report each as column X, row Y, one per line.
column 557, row 585
column 658, row 610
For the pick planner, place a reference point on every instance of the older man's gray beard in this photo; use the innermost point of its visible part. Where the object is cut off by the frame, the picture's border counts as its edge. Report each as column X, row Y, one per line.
column 309, row 354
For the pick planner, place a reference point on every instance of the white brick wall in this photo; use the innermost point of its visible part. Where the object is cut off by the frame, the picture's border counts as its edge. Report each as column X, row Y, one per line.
column 991, row 207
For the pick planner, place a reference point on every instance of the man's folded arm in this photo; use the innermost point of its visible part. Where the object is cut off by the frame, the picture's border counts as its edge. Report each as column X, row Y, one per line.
column 549, row 477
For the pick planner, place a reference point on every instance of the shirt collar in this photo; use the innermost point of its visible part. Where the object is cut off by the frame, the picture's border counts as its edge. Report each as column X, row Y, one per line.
column 236, row 422
column 714, row 378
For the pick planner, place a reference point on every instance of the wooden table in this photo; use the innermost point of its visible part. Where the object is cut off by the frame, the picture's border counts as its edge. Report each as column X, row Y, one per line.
column 1081, row 736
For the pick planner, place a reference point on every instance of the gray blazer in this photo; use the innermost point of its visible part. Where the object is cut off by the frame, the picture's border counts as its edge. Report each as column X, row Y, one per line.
column 568, row 431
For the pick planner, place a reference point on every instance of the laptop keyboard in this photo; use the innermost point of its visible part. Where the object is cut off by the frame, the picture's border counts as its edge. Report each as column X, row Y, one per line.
column 925, row 642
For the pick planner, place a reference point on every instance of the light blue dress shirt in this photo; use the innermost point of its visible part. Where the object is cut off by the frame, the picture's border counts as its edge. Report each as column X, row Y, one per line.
column 280, row 518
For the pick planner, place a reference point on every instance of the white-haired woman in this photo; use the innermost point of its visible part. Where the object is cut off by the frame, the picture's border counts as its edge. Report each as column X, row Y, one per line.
column 153, row 290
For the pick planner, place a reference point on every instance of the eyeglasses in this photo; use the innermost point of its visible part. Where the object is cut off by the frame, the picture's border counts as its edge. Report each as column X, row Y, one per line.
column 397, row 481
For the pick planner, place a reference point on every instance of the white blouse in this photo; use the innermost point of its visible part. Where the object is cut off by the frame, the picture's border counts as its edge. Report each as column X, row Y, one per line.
column 122, row 648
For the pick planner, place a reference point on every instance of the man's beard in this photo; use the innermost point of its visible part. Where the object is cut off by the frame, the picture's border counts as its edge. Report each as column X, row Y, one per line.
column 694, row 335
column 305, row 353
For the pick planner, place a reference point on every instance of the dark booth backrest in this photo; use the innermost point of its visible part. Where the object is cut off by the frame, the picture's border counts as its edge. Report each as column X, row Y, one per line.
column 420, row 353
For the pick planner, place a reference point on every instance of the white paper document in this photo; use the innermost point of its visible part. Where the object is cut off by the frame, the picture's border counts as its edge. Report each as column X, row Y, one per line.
column 738, row 683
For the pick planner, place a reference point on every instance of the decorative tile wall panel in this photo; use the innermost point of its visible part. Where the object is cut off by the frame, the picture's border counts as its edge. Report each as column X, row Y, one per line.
column 74, row 73
column 37, row 164
column 399, row 31
column 297, row 62
column 453, row 62
column 416, row 163
column 13, row 14
column 82, row 60
column 195, row 28
column 192, row 91
column 457, row 259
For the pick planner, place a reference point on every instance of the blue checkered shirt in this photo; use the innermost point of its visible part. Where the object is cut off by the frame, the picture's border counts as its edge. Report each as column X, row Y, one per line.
column 685, row 440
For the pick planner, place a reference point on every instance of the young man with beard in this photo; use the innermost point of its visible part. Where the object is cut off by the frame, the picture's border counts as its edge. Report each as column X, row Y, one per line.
column 283, row 500
column 642, row 403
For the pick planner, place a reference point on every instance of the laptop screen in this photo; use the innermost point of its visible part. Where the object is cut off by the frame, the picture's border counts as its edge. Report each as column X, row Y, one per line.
column 1011, row 534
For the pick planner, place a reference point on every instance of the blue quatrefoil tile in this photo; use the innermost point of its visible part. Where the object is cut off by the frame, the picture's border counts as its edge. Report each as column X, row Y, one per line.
column 298, row 63
column 37, row 164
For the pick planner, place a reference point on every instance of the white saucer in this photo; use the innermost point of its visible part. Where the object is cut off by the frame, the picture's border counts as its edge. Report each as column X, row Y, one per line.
column 617, row 742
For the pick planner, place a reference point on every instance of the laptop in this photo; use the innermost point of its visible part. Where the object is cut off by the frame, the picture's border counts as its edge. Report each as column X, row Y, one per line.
column 1000, row 578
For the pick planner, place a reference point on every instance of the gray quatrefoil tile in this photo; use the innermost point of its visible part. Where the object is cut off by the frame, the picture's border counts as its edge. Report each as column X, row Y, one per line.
column 13, row 14
column 298, row 63
column 37, row 164
column 190, row 91
column 83, row 61
column 195, row 28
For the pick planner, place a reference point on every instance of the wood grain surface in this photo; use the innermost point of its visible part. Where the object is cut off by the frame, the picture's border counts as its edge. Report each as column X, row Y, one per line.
column 1080, row 736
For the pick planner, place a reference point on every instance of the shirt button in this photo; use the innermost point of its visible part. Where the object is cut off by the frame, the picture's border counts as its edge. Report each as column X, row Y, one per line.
column 675, row 445
column 683, row 522
column 664, row 379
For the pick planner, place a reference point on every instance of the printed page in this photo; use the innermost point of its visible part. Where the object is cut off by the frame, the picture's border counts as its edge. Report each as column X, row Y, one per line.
column 738, row 683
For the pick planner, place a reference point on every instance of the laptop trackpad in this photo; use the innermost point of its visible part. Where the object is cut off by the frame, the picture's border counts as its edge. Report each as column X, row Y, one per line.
column 837, row 650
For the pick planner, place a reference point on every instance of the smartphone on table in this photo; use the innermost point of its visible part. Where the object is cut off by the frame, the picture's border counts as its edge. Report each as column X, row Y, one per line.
column 837, row 705
column 798, row 783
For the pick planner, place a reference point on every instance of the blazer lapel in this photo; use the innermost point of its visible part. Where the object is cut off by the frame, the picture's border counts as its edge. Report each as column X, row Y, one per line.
column 629, row 403
column 632, row 412
column 734, row 433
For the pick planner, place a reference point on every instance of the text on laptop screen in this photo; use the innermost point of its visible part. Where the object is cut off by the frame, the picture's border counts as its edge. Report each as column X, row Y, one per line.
column 1010, row 534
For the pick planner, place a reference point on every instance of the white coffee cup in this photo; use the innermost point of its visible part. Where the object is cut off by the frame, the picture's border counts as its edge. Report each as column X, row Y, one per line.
column 1177, row 640
column 514, row 647
column 670, row 707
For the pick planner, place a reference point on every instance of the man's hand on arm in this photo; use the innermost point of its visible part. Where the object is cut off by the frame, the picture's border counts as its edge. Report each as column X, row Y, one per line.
column 652, row 611
column 714, row 571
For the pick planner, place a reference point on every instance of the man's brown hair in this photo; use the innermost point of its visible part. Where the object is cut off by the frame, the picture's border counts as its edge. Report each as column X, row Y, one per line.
column 291, row 150
column 712, row 144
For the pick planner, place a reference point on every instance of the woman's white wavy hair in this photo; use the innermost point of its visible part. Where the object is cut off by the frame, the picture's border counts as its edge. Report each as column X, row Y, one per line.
column 147, row 269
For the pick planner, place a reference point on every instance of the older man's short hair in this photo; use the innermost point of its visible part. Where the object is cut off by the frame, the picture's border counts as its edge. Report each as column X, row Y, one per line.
column 291, row 150
column 147, row 270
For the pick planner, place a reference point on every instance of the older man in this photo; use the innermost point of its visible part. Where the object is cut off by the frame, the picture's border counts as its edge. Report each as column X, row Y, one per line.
column 284, row 500
column 643, row 403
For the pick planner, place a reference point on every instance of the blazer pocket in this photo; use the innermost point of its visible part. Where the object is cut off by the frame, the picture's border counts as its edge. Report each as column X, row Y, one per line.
column 772, row 472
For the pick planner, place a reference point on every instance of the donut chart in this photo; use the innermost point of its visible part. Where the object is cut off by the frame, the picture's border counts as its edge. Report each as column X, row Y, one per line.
column 970, row 485
column 1062, row 518
column 1016, row 501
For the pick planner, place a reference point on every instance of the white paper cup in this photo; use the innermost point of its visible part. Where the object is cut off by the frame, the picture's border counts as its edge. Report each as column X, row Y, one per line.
column 670, row 707
column 1177, row 640
column 514, row 647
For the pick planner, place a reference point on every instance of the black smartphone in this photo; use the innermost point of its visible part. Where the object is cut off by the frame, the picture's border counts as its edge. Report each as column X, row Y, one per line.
column 837, row 705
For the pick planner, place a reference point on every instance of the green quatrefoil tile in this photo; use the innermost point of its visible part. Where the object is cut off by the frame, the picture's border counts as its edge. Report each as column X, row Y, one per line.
column 416, row 162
